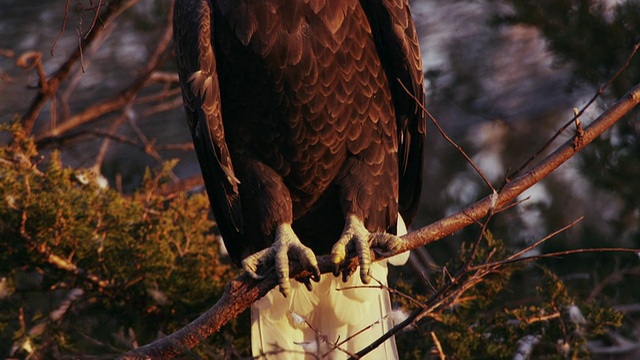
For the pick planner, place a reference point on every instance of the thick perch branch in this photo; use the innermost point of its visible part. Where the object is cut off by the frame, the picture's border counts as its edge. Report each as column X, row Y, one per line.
column 517, row 186
column 243, row 291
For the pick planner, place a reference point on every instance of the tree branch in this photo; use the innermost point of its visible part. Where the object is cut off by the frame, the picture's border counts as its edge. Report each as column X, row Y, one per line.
column 50, row 87
column 127, row 95
column 517, row 186
column 577, row 114
column 244, row 290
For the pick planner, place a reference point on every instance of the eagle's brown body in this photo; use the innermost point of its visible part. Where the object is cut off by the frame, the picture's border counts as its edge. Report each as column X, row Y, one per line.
column 298, row 115
column 309, row 144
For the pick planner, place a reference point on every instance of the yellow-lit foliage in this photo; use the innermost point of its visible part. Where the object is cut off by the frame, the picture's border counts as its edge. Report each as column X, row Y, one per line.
column 145, row 263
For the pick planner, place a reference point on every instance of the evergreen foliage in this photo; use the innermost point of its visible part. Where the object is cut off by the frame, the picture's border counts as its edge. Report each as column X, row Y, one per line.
column 90, row 271
column 499, row 318
column 596, row 39
column 145, row 264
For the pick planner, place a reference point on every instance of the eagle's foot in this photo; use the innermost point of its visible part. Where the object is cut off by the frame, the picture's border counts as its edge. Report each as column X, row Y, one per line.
column 286, row 245
column 355, row 234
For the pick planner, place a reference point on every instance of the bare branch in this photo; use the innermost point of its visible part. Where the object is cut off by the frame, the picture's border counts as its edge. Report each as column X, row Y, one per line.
column 149, row 147
column 517, row 186
column 244, row 290
column 576, row 115
column 126, row 96
column 48, row 90
column 106, row 142
column 436, row 341
column 33, row 59
column 449, row 140
column 184, row 184
column 95, row 18
column 559, row 254
column 64, row 27
column 613, row 278
column 539, row 242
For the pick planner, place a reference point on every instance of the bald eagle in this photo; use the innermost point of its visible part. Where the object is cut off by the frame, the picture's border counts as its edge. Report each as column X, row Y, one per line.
column 307, row 121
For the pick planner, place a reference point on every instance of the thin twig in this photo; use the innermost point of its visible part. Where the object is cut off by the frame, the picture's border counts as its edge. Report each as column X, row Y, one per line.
column 49, row 90
column 243, row 291
column 436, row 341
column 64, row 26
column 448, row 293
column 381, row 285
column 149, row 146
column 106, row 142
column 444, row 134
column 557, row 254
column 612, row 278
column 95, row 18
column 575, row 116
column 117, row 102
column 544, row 239
column 476, row 244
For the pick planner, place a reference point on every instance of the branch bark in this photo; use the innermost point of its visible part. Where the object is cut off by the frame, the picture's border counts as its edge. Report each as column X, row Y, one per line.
column 50, row 87
column 161, row 55
column 243, row 291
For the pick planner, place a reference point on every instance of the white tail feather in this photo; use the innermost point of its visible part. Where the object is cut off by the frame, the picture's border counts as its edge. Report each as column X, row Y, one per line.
column 332, row 321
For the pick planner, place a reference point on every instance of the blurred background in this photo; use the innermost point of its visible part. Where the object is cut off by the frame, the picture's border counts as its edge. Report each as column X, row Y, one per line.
column 502, row 76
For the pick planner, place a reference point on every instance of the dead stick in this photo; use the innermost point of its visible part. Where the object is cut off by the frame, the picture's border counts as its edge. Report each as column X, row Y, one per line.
column 49, row 89
column 243, row 291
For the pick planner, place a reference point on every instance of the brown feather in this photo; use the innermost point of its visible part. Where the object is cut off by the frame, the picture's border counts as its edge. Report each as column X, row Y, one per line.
column 302, row 98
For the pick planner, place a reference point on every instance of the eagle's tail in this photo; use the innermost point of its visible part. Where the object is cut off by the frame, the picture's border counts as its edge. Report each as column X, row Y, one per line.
column 333, row 321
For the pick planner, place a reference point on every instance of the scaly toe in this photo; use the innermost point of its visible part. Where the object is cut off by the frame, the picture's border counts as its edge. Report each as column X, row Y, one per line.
column 287, row 245
column 338, row 255
column 354, row 234
column 252, row 263
column 307, row 259
column 386, row 244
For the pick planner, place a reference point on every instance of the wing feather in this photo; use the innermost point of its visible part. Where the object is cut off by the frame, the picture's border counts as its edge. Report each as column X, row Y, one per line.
column 201, row 96
column 399, row 51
